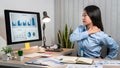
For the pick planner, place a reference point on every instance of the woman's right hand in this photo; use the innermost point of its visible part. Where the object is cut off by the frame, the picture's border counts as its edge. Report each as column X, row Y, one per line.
column 93, row 30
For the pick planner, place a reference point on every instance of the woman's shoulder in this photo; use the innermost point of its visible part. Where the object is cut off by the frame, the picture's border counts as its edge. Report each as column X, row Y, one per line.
column 81, row 28
column 102, row 34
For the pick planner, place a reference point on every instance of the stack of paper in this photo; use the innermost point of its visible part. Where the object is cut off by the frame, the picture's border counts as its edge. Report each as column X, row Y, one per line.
column 45, row 62
column 108, row 62
column 83, row 66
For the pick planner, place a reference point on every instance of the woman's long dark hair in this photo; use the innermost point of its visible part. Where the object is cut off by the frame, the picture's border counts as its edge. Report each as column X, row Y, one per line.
column 95, row 15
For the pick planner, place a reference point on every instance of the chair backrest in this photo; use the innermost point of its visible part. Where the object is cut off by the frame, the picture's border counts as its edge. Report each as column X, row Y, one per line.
column 104, row 51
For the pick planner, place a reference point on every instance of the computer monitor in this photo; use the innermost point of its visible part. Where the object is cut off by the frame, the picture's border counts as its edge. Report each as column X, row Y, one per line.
column 22, row 27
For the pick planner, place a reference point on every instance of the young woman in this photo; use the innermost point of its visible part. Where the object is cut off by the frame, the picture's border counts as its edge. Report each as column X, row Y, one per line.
column 90, row 36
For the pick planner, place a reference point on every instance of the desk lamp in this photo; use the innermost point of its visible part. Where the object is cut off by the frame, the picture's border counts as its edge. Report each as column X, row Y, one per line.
column 45, row 19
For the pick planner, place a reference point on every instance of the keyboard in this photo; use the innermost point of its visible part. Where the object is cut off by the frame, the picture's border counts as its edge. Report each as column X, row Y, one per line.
column 32, row 55
column 36, row 54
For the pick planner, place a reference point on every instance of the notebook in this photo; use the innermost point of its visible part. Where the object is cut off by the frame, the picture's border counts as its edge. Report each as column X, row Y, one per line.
column 77, row 60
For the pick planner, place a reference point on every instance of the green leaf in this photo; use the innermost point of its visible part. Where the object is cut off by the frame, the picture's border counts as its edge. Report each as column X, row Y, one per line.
column 66, row 31
column 63, row 41
column 59, row 37
column 7, row 49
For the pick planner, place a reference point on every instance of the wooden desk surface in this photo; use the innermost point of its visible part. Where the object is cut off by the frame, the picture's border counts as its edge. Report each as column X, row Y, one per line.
column 21, row 64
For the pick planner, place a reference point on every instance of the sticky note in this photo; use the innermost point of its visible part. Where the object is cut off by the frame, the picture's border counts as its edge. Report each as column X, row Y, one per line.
column 27, row 45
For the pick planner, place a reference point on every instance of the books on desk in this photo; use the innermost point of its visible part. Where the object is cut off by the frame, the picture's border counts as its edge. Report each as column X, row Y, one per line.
column 77, row 60
column 60, row 60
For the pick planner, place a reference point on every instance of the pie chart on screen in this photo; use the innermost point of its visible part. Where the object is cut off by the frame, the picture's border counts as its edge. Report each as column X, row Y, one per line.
column 29, row 34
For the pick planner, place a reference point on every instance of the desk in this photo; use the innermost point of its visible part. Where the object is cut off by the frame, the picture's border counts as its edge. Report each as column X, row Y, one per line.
column 21, row 64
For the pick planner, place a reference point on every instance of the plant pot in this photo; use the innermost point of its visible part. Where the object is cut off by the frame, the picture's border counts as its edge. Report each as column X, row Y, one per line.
column 5, row 57
column 20, row 58
column 20, row 52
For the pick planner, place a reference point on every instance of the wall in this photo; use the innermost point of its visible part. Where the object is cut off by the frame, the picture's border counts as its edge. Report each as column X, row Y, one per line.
column 29, row 5
column 70, row 12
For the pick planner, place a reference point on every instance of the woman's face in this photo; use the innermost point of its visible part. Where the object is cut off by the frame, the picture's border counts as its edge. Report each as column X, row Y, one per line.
column 86, row 19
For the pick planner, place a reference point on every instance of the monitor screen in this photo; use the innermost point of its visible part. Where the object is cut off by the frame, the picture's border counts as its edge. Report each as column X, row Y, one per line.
column 22, row 26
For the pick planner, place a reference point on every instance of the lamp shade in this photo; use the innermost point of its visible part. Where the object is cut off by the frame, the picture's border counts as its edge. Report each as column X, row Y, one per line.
column 45, row 18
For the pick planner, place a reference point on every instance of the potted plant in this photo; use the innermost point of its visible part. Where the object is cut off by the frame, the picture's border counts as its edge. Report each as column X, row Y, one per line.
column 63, row 37
column 7, row 53
column 20, row 55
